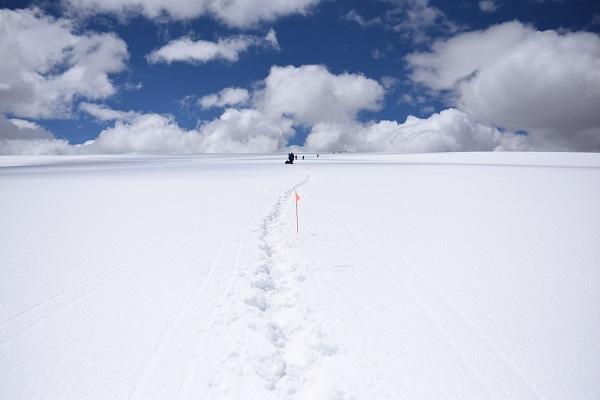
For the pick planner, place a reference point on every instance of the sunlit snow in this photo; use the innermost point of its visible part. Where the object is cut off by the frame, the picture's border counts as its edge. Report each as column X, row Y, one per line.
column 463, row 276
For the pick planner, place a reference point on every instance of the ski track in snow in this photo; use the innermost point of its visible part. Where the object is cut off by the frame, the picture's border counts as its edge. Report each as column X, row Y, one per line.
column 460, row 334
column 36, row 315
column 160, row 350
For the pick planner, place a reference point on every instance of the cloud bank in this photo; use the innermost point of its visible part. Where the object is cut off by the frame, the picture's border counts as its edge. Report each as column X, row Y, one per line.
column 514, row 77
column 309, row 96
column 449, row 130
column 499, row 81
column 290, row 97
column 46, row 64
column 235, row 131
column 19, row 136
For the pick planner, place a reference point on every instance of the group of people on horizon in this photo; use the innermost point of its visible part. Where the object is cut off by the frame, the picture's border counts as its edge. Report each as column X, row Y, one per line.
column 294, row 157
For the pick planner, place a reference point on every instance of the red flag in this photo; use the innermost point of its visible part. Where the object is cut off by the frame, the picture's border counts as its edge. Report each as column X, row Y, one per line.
column 297, row 197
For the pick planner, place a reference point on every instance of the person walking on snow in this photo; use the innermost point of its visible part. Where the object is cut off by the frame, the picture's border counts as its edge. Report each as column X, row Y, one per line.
column 290, row 159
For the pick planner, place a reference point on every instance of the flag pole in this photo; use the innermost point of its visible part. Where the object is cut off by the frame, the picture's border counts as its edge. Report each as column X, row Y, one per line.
column 296, row 198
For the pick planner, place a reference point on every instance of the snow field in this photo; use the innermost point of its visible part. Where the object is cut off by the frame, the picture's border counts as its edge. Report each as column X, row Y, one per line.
column 463, row 276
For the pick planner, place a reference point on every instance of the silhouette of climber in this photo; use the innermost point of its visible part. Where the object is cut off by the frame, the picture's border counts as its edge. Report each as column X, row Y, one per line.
column 290, row 159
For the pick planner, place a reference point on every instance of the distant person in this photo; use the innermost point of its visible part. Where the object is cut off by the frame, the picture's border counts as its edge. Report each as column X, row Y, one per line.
column 303, row 157
column 317, row 155
column 290, row 159
column 296, row 156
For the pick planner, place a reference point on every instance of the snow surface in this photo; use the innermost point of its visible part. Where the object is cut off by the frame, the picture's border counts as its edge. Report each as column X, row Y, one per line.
column 434, row 276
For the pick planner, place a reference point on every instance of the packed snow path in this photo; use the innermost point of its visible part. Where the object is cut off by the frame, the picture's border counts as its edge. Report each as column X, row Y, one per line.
column 454, row 276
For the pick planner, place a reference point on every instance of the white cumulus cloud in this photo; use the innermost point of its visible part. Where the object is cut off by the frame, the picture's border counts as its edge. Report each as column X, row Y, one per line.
column 47, row 63
column 201, row 51
column 230, row 96
column 514, row 77
column 104, row 113
column 146, row 133
column 246, row 131
column 311, row 94
column 235, row 13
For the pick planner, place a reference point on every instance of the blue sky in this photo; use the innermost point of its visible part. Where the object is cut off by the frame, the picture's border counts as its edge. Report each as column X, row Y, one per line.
column 366, row 38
